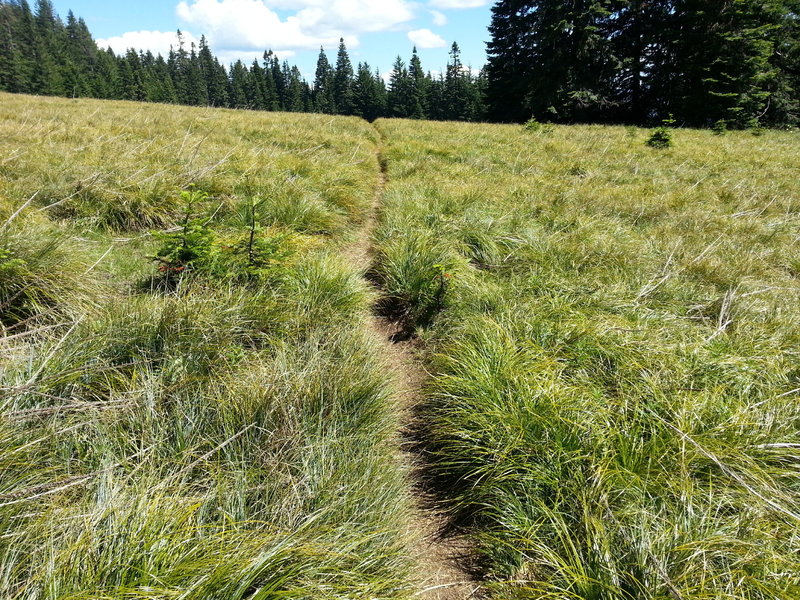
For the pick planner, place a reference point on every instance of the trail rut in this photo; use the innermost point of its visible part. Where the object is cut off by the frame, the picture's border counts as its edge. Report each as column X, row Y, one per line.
column 441, row 556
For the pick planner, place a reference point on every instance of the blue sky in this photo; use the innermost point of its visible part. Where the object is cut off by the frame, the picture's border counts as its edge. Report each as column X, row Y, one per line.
column 375, row 31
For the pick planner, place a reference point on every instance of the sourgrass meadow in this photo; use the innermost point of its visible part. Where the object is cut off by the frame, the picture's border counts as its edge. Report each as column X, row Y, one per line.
column 189, row 412
column 192, row 404
column 613, row 335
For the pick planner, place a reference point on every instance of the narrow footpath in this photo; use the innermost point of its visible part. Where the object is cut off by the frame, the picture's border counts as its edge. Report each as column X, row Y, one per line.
column 441, row 556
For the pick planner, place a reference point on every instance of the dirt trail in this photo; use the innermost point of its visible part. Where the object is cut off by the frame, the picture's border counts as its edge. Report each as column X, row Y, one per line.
column 441, row 557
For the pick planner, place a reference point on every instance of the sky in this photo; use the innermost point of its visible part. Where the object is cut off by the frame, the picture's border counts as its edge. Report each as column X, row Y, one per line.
column 375, row 31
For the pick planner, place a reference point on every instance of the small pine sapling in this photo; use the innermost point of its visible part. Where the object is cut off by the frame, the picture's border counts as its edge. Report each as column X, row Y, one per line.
column 661, row 137
column 189, row 248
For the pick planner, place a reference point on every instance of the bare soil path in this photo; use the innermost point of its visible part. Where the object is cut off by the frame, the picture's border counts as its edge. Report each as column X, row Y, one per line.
column 441, row 556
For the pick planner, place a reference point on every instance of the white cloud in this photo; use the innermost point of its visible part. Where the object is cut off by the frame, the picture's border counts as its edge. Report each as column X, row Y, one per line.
column 158, row 42
column 425, row 38
column 457, row 3
column 439, row 18
column 253, row 24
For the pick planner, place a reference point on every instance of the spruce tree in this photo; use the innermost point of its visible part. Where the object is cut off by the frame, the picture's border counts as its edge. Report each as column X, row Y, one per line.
column 416, row 76
column 213, row 74
column 271, row 99
column 369, row 95
column 323, row 86
column 343, row 82
column 511, row 60
column 15, row 50
column 399, row 93
column 238, row 85
column 255, row 87
column 298, row 97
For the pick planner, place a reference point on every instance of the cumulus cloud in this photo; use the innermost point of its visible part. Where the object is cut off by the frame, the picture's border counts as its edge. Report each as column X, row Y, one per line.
column 457, row 3
column 439, row 18
column 158, row 42
column 256, row 24
column 425, row 38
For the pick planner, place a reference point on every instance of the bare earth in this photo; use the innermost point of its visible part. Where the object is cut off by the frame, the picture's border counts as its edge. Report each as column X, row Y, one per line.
column 441, row 556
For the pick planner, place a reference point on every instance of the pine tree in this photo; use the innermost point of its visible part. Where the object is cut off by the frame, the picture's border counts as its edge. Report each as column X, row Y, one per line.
column 564, row 65
column 323, row 86
column 456, row 95
column 399, row 94
column 131, row 86
column 271, row 98
column 49, row 40
column 369, row 94
column 511, row 60
column 80, row 58
column 723, row 60
column 343, row 82
column 196, row 91
column 213, row 74
column 238, row 85
column 15, row 68
column 784, row 106
column 278, row 78
column 298, row 96
column 255, row 87
column 417, row 108
column 178, row 62
column 435, row 97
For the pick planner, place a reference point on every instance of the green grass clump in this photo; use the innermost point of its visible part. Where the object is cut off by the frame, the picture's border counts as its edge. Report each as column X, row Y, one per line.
column 613, row 412
column 190, row 406
column 41, row 280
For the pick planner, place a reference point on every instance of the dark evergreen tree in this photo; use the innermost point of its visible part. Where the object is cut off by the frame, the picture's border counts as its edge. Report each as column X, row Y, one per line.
column 278, row 79
column 238, row 85
column 131, row 85
column 297, row 96
column 343, row 82
column 784, row 107
column 399, row 98
column 213, row 75
column 255, row 87
column 369, row 94
column 106, row 81
column 48, row 38
column 323, row 86
column 80, row 58
column 196, row 90
column 271, row 98
column 511, row 60
column 15, row 47
column 723, row 60
column 417, row 104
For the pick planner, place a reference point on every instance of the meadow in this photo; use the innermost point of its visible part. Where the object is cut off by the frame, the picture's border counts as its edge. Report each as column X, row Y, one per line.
column 191, row 405
column 613, row 335
column 194, row 402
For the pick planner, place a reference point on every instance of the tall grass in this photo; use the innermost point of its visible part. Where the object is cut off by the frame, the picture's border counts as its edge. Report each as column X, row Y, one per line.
column 122, row 165
column 614, row 407
column 230, row 436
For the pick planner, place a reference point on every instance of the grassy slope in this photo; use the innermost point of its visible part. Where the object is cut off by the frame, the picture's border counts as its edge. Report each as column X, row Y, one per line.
column 229, row 440
column 614, row 335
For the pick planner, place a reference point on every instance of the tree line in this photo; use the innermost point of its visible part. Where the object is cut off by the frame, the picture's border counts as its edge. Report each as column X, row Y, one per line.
column 638, row 61
column 612, row 61
column 41, row 54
